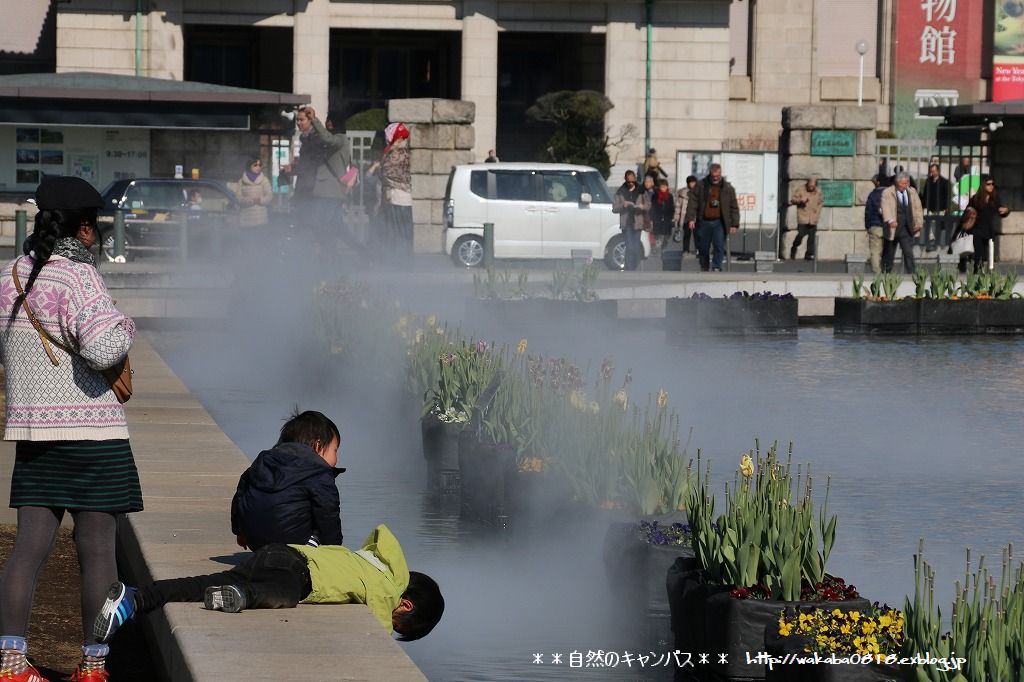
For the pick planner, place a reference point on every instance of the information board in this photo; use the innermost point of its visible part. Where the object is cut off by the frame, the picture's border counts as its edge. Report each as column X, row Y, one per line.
column 833, row 143
column 836, row 192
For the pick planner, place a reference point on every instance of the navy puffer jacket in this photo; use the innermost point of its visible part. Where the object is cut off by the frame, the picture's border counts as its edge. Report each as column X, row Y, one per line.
column 287, row 495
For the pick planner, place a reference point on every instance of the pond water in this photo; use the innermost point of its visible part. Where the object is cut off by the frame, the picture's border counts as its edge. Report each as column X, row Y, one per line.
column 921, row 439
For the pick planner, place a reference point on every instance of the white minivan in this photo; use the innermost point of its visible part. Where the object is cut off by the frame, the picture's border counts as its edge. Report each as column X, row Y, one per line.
column 539, row 210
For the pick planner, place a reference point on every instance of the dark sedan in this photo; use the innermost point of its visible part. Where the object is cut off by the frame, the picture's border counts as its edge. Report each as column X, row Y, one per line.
column 166, row 214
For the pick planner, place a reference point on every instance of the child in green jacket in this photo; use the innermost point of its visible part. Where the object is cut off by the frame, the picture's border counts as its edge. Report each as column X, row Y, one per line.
column 282, row 576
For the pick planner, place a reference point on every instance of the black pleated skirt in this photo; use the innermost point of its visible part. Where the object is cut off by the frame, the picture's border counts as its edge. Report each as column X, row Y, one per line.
column 87, row 475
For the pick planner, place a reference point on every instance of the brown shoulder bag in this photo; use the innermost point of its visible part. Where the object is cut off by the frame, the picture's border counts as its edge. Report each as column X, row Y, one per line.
column 119, row 376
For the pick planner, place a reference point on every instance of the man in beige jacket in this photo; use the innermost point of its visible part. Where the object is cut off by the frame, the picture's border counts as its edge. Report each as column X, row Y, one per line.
column 903, row 218
column 808, row 204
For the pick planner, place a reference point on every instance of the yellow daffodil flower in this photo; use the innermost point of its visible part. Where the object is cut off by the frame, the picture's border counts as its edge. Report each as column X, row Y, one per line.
column 662, row 398
column 521, row 347
column 747, row 467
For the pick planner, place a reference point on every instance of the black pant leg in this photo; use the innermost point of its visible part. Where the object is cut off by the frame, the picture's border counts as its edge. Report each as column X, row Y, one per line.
column 275, row 576
column 279, row 578
column 888, row 254
column 906, row 241
column 812, row 236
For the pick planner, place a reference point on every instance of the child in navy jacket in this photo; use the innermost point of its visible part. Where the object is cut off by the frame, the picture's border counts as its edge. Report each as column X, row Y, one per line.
column 288, row 495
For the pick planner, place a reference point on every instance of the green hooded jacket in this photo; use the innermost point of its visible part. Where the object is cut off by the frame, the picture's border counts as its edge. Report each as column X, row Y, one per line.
column 375, row 575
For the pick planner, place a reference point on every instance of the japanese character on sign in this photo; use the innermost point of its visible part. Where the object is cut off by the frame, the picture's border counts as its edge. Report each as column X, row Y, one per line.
column 938, row 46
column 939, row 10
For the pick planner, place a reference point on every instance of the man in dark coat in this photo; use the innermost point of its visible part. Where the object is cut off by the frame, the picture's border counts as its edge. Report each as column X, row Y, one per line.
column 288, row 495
column 710, row 211
column 935, row 197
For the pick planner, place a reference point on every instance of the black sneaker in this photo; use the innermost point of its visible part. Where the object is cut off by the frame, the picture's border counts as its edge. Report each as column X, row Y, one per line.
column 227, row 598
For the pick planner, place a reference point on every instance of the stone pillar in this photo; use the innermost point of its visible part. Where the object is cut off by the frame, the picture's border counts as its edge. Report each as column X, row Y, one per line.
column 311, row 47
column 480, row 70
column 440, row 136
column 840, row 228
column 164, row 55
column 625, row 52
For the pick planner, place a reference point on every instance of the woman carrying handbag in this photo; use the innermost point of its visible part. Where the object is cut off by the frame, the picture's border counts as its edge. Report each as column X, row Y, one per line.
column 60, row 332
column 988, row 210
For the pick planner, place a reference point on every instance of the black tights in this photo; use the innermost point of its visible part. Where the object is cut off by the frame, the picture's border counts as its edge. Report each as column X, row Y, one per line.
column 95, row 535
column 275, row 577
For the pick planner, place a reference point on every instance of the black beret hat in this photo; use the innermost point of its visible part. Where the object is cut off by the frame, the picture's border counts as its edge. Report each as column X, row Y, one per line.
column 64, row 192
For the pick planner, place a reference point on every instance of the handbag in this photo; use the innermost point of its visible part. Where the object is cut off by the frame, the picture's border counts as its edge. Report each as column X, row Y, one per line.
column 351, row 177
column 119, row 376
column 961, row 245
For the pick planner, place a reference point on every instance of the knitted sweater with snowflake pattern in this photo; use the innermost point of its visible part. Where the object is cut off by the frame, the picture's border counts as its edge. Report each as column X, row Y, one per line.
column 70, row 401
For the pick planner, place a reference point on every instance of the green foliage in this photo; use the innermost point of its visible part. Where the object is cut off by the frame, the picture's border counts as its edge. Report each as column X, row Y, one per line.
column 942, row 284
column 369, row 119
column 858, row 286
column 493, row 285
column 574, row 285
column 578, row 116
column 989, row 284
column 986, row 627
column 920, row 278
column 463, row 373
column 890, row 283
column 768, row 534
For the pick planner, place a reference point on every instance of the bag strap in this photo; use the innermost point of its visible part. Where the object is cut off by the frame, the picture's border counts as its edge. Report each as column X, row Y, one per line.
column 44, row 336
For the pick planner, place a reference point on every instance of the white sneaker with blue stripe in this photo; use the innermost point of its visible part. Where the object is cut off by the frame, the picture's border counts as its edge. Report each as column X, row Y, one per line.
column 117, row 610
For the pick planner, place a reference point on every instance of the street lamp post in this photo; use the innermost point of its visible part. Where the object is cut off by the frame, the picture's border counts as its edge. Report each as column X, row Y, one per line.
column 862, row 49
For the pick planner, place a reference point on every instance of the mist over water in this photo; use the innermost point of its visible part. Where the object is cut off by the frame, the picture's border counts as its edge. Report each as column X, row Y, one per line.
column 920, row 439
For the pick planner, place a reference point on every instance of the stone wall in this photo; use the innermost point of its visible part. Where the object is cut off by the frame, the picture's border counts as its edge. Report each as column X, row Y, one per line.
column 840, row 229
column 441, row 135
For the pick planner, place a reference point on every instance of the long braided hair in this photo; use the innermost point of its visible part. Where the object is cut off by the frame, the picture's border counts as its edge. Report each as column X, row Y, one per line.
column 50, row 225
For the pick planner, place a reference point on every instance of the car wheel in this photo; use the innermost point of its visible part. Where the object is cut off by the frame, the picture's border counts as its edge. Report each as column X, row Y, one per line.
column 107, row 246
column 468, row 252
column 615, row 254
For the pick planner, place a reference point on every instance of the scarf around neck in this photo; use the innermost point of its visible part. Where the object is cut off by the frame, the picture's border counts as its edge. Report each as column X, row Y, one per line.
column 253, row 176
column 72, row 249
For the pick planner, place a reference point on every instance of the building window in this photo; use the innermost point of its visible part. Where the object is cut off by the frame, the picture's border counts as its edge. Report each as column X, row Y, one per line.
column 239, row 56
column 367, row 68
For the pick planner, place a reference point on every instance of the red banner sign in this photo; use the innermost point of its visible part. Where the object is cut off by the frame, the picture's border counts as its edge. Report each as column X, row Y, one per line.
column 938, row 60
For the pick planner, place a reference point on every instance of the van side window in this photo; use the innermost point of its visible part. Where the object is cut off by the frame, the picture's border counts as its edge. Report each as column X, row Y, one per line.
column 510, row 186
column 562, row 187
column 478, row 183
column 597, row 187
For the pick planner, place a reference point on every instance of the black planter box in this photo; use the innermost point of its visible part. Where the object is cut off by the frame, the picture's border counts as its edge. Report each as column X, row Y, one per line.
column 638, row 570
column 495, row 492
column 484, row 471
column 1001, row 316
column 441, row 450
column 737, row 627
column 929, row 316
column 945, row 316
column 860, row 316
column 689, row 316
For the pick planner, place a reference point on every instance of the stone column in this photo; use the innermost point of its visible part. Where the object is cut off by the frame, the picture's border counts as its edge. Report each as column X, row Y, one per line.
column 311, row 47
column 480, row 70
column 625, row 52
column 840, row 228
column 164, row 45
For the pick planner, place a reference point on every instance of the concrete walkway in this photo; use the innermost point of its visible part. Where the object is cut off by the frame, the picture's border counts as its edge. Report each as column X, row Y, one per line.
column 189, row 470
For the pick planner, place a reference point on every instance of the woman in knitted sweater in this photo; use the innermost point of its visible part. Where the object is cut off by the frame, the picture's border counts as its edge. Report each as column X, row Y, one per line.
column 396, row 182
column 72, row 451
